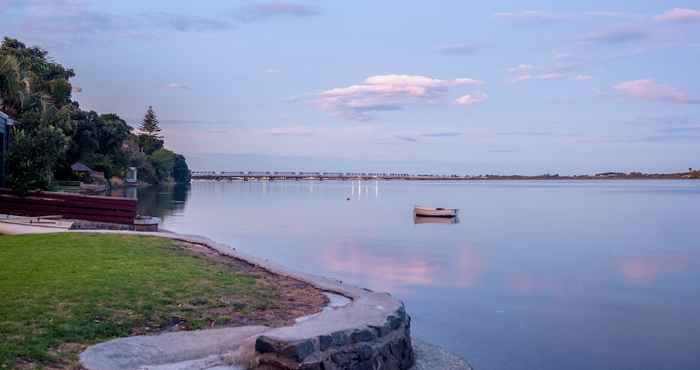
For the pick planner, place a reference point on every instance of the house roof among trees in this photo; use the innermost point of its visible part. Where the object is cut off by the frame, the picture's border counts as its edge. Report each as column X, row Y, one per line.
column 79, row 167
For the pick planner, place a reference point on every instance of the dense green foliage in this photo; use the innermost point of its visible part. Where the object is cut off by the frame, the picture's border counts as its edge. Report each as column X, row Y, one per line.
column 33, row 158
column 181, row 173
column 81, row 289
column 53, row 132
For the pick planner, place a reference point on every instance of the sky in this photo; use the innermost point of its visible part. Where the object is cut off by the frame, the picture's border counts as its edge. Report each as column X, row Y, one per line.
column 465, row 87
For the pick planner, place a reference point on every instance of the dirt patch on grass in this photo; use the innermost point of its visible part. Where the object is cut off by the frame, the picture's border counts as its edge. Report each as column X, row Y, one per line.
column 294, row 298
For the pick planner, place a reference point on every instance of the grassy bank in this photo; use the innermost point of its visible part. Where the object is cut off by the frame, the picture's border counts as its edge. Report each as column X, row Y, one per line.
column 61, row 292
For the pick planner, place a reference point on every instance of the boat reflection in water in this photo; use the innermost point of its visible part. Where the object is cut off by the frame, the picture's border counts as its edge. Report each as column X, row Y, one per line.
column 435, row 220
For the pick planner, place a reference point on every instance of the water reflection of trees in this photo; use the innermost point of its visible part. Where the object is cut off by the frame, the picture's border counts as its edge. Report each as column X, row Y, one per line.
column 162, row 201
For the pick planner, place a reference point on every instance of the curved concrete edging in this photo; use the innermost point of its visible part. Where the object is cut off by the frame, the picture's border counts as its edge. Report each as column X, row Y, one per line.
column 371, row 331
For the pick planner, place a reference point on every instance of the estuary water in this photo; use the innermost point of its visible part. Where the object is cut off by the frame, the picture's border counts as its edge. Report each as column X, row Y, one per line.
column 536, row 274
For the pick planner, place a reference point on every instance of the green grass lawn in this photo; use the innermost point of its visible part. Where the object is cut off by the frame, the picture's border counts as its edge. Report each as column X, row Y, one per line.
column 60, row 292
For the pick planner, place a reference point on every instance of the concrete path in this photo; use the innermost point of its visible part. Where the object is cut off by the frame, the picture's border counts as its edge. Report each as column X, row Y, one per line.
column 207, row 346
column 18, row 225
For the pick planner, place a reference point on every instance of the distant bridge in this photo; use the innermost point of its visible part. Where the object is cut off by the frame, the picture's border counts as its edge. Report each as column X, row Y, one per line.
column 293, row 175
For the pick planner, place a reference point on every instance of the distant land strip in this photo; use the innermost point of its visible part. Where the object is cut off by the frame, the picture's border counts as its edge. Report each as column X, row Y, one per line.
column 289, row 175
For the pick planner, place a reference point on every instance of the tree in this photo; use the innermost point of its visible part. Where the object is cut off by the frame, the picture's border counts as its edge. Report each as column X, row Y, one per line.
column 148, row 144
column 11, row 90
column 30, row 77
column 150, row 125
column 150, row 139
column 32, row 157
column 181, row 172
column 163, row 162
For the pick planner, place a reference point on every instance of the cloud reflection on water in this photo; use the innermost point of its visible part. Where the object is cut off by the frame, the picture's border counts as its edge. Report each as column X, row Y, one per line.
column 528, row 285
column 470, row 266
column 645, row 269
column 380, row 272
column 394, row 273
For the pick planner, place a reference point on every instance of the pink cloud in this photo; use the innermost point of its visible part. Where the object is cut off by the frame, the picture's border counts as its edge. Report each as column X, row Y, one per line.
column 271, row 9
column 387, row 93
column 583, row 77
column 520, row 77
column 550, row 76
column 648, row 89
column 679, row 15
column 177, row 86
column 471, row 99
column 527, row 72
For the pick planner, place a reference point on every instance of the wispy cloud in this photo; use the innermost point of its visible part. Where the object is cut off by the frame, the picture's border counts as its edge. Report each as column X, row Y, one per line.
column 663, row 138
column 289, row 131
column 521, row 68
column 414, row 137
column 442, row 134
column 679, row 15
column 387, row 93
column 178, row 86
column 611, row 14
column 528, row 72
column 409, row 139
column 187, row 23
column 65, row 22
column 273, row 70
column 618, row 35
column 525, row 133
column 664, row 129
column 665, row 120
column 185, row 122
column 680, row 130
column 547, row 16
column 532, row 16
column 540, row 76
column 265, row 10
column 650, row 90
column 458, row 49
column 471, row 99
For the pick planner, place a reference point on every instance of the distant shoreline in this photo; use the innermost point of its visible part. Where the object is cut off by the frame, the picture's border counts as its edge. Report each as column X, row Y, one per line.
column 324, row 176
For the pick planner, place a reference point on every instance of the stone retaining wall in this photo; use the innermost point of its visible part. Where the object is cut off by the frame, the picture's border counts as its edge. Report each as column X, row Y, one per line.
column 386, row 347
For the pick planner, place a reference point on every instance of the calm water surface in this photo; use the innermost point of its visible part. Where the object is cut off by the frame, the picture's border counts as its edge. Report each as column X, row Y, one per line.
column 537, row 275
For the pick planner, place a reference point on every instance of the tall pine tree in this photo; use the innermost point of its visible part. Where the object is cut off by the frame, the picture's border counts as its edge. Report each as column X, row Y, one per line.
column 150, row 125
column 149, row 139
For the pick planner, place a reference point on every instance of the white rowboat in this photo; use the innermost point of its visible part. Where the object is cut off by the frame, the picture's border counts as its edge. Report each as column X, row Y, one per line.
column 435, row 220
column 435, row 212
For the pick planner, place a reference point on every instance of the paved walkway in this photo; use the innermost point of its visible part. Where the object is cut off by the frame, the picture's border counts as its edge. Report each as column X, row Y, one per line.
column 177, row 350
column 18, row 225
